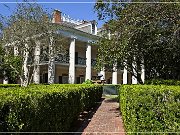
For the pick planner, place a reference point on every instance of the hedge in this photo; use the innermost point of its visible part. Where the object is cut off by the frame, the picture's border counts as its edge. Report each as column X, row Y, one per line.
column 9, row 85
column 49, row 108
column 150, row 108
column 162, row 82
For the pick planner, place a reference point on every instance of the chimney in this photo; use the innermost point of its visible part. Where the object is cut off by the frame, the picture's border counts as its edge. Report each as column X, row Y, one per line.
column 56, row 16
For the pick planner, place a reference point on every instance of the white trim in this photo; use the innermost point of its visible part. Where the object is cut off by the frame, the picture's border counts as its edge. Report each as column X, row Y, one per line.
column 83, row 25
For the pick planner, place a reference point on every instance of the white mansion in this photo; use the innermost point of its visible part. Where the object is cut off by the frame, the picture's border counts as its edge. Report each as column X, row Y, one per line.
column 78, row 64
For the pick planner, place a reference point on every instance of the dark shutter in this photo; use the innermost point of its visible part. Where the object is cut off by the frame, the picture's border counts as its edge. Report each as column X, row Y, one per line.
column 41, row 79
column 108, row 81
column 46, row 78
column 76, row 57
column 78, row 80
column 60, row 79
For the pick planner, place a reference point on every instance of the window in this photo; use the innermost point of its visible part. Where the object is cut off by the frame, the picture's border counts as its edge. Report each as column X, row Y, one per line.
column 65, row 79
column 82, row 79
column 44, row 78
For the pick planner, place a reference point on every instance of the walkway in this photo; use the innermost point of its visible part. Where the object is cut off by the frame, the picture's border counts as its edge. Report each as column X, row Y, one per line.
column 105, row 121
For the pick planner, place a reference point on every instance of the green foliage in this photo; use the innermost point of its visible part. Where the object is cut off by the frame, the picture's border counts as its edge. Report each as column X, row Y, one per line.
column 87, row 82
column 12, row 67
column 149, row 108
column 162, row 82
column 45, row 108
column 28, row 28
column 9, row 85
column 142, row 32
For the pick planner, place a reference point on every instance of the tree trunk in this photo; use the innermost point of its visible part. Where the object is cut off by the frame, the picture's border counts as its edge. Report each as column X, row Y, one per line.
column 51, row 65
column 36, row 71
column 25, row 79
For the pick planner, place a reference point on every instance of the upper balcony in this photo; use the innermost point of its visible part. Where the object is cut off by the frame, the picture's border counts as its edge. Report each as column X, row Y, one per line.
column 64, row 59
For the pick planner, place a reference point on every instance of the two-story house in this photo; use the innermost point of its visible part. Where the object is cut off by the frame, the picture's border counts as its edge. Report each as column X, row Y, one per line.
column 77, row 64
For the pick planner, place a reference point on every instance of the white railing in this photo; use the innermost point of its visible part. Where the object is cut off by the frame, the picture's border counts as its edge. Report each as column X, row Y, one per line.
column 67, row 18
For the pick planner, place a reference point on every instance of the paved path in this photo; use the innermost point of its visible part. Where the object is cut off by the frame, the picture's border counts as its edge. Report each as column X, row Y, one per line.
column 105, row 121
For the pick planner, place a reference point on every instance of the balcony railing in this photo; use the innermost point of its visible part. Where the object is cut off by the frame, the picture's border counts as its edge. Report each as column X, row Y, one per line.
column 93, row 62
column 81, row 61
column 62, row 58
column 65, row 59
column 44, row 58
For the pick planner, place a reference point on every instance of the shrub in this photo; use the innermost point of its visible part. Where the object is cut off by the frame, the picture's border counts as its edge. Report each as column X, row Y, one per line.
column 87, row 82
column 162, row 82
column 42, row 108
column 9, row 85
column 150, row 108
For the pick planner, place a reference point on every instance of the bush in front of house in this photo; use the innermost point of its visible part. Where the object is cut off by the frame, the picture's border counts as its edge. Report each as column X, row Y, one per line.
column 45, row 108
column 150, row 108
column 162, row 82
column 88, row 82
column 9, row 85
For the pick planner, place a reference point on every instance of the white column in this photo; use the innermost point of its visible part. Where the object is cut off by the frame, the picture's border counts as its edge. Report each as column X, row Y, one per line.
column 36, row 76
column 88, row 62
column 143, row 72
column 134, row 79
column 125, row 75
column 5, row 80
column 102, row 72
column 114, row 74
column 72, row 61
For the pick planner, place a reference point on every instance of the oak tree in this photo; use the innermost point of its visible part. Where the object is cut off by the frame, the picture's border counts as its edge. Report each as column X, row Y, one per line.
column 142, row 33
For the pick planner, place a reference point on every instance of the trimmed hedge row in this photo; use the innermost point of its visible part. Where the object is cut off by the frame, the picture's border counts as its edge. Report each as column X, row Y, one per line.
column 162, row 82
column 149, row 108
column 9, row 85
column 42, row 108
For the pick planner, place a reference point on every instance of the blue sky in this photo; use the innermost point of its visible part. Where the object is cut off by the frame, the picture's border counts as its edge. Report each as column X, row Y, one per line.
column 73, row 8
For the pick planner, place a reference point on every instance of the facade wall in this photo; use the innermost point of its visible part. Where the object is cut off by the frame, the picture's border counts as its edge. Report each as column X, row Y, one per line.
column 80, row 74
column 81, row 49
column 129, row 78
column 94, row 52
column 93, row 74
column 43, row 73
column 61, row 71
column 120, row 78
column 86, row 29
column 108, row 77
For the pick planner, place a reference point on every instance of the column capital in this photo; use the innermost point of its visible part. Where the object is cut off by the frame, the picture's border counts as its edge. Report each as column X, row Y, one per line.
column 73, row 37
column 91, row 41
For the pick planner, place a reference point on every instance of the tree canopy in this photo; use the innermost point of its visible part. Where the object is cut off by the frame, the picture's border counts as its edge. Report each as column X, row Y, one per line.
column 145, row 33
column 28, row 26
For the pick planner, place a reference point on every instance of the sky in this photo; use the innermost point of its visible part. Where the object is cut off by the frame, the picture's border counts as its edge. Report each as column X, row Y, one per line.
column 76, row 9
